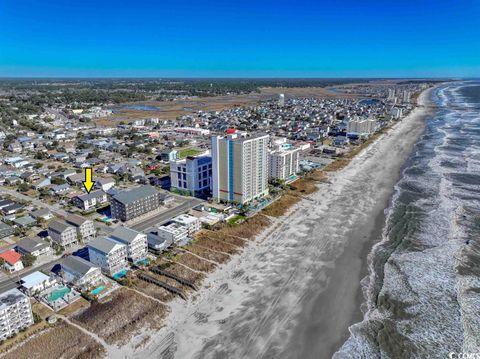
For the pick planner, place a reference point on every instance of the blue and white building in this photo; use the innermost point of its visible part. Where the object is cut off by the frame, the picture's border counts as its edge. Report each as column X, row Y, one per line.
column 239, row 167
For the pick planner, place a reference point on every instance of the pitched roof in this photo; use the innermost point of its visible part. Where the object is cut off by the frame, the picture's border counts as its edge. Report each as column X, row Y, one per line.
column 11, row 257
column 12, row 207
column 30, row 244
column 78, row 177
column 104, row 180
column 60, row 187
column 77, row 265
column 58, row 226
column 6, row 202
column 25, row 220
column 135, row 194
column 41, row 212
column 124, row 234
column 103, row 244
column 75, row 220
column 93, row 194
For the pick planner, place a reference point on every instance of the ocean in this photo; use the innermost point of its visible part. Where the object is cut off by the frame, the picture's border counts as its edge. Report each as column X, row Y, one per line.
column 422, row 294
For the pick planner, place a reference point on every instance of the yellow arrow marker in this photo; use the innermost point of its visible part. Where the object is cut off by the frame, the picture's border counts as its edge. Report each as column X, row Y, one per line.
column 88, row 183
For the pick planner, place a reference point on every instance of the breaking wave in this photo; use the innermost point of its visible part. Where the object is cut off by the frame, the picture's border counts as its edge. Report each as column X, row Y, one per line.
column 422, row 295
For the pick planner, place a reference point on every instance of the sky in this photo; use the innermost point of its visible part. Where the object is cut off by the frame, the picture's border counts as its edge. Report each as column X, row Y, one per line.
column 249, row 38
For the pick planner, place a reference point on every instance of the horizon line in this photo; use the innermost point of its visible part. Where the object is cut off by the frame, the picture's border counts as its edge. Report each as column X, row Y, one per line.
column 238, row 78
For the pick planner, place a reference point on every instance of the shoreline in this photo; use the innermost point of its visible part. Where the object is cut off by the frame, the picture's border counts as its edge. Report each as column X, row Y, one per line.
column 242, row 296
column 424, row 101
column 332, row 342
column 421, row 293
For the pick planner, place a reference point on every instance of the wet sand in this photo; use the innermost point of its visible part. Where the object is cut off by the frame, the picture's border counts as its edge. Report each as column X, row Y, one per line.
column 294, row 291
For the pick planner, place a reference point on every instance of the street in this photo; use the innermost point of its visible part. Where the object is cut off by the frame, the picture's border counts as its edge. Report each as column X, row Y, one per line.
column 11, row 281
column 59, row 212
column 165, row 216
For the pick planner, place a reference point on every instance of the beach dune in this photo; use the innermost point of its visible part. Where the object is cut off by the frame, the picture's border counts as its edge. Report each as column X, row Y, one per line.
column 294, row 291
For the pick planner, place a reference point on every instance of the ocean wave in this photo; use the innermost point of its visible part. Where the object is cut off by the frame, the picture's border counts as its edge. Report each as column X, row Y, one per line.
column 422, row 294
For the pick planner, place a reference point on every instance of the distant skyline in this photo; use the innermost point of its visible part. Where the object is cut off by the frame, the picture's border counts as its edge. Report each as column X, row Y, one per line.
column 232, row 39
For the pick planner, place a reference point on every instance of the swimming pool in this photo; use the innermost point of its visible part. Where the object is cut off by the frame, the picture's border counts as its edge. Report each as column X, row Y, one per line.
column 58, row 293
column 120, row 274
column 97, row 290
column 142, row 262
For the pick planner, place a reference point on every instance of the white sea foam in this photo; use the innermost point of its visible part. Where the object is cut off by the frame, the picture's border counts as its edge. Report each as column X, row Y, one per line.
column 424, row 306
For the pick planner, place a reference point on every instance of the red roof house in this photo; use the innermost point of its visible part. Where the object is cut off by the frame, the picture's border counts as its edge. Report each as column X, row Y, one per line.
column 12, row 260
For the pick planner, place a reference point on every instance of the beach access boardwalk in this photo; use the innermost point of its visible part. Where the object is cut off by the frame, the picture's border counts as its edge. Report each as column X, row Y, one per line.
column 180, row 280
column 162, row 284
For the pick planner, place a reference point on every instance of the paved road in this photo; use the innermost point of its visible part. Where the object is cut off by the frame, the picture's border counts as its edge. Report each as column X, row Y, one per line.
column 10, row 282
column 166, row 216
column 37, row 202
column 59, row 212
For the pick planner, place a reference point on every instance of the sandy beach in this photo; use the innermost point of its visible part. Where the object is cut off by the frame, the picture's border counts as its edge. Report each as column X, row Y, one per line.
column 295, row 290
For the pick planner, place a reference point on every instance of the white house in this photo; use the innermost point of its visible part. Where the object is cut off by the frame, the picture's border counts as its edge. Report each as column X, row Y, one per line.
column 90, row 200
column 104, row 184
column 190, row 222
column 36, row 282
column 85, row 227
column 109, row 255
column 81, row 272
column 173, row 232
column 156, row 242
column 34, row 246
column 42, row 213
column 12, row 261
column 136, row 242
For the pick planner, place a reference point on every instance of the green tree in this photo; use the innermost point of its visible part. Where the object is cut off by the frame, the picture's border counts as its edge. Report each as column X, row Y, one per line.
column 58, row 180
column 36, row 317
column 94, row 154
column 23, row 187
column 28, row 260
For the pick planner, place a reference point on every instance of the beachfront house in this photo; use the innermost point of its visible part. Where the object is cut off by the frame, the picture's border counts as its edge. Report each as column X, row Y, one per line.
column 190, row 222
column 173, row 233
column 15, row 312
column 36, row 282
column 136, row 242
column 81, row 272
column 156, row 242
column 109, row 255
